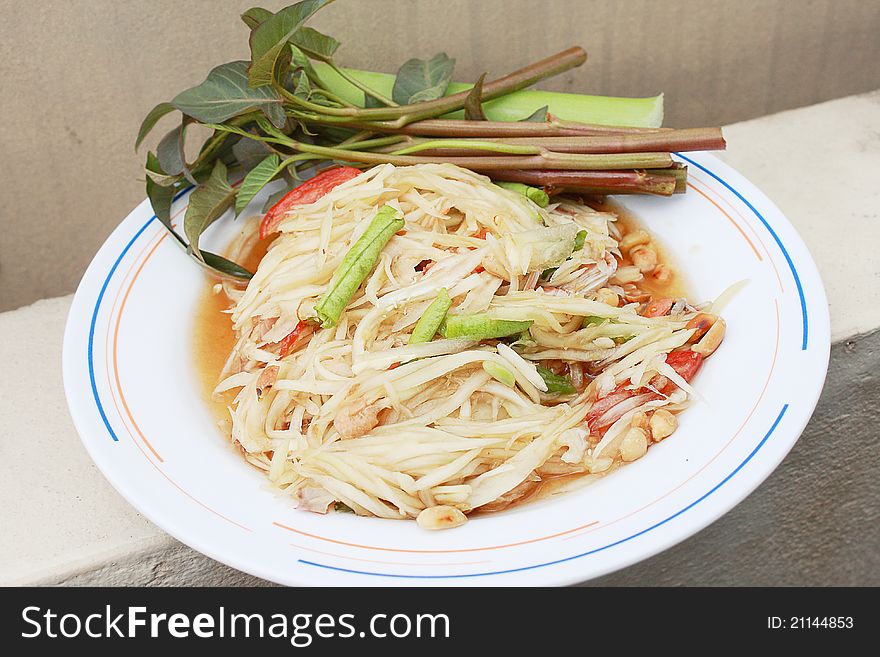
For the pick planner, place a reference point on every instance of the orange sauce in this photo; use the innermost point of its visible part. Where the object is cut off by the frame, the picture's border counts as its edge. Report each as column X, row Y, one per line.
column 627, row 222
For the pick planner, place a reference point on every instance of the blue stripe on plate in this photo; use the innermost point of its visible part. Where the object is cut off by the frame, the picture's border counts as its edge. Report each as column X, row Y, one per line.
column 576, row 556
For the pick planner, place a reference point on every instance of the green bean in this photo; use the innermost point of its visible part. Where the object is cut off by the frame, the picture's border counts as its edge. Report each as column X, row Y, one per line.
column 535, row 194
column 499, row 373
column 556, row 383
column 357, row 265
column 431, row 319
column 593, row 320
column 481, row 326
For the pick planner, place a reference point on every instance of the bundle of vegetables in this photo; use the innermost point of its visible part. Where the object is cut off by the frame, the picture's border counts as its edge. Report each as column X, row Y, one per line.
column 292, row 108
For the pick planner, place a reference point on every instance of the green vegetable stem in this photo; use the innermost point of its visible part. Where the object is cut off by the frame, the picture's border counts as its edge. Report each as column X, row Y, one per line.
column 357, row 265
column 433, row 317
column 535, row 194
column 481, row 326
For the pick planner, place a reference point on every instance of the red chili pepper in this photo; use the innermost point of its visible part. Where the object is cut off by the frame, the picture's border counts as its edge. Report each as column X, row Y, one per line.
column 302, row 330
column 308, row 192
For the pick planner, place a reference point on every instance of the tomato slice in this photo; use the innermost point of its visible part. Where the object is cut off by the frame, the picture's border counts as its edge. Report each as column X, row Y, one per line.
column 308, row 192
column 685, row 363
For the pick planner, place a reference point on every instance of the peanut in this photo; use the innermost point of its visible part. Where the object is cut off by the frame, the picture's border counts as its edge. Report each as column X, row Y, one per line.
column 663, row 423
column 639, row 421
column 608, row 297
column 645, row 258
column 662, row 274
column 634, row 238
column 629, row 274
column 701, row 324
column 634, row 445
column 441, row 517
column 713, row 337
column 633, row 294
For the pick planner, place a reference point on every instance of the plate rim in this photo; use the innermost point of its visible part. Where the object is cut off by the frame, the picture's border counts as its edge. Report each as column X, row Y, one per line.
column 820, row 325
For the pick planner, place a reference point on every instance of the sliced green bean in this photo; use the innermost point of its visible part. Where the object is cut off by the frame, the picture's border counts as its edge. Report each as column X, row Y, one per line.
column 556, row 383
column 426, row 328
column 481, row 326
column 499, row 373
column 357, row 265
column 593, row 320
column 535, row 194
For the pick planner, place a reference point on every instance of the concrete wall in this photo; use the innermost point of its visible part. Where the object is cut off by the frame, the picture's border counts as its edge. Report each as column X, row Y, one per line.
column 78, row 77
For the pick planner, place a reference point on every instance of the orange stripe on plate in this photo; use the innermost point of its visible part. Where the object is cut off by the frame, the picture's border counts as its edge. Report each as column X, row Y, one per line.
column 722, row 211
column 479, row 549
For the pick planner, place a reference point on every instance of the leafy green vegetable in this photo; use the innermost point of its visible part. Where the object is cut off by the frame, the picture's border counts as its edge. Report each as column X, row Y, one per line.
column 224, row 266
column 580, row 239
column 150, row 121
column 420, row 80
column 250, row 152
column 556, row 383
column 170, row 151
column 357, row 265
column 160, row 196
column 256, row 15
column 225, row 93
column 430, row 321
column 255, row 180
column 269, row 41
column 314, row 44
column 473, row 106
column 206, row 204
column 481, row 326
column 499, row 373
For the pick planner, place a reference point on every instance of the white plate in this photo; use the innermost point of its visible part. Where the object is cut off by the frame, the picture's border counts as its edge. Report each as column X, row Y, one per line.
column 135, row 399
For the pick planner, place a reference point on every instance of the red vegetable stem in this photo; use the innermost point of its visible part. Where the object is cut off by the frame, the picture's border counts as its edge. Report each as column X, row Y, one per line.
column 694, row 139
column 463, row 128
column 598, row 183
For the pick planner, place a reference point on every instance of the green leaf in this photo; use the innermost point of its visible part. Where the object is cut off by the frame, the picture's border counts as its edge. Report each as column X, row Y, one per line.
column 473, row 104
column 224, row 266
column 254, row 16
column 369, row 101
column 314, row 44
column 225, row 93
column 299, row 60
column 206, row 204
column 420, row 80
column 150, row 121
column 269, row 41
column 255, row 180
column 556, row 383
column 170, row 151
column 538, row 116
column 155, row 173
column 160, row 197
column 250, row 152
